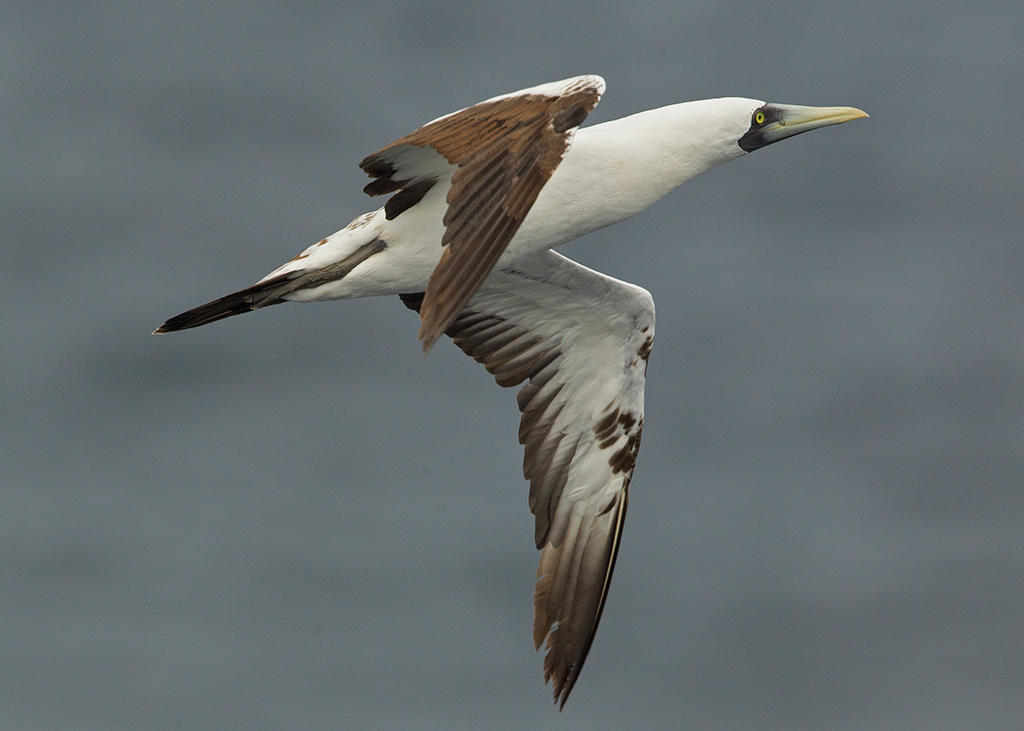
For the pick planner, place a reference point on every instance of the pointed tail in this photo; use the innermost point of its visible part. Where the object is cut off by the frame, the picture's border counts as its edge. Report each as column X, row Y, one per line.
column 270, row 291
column 251, row 298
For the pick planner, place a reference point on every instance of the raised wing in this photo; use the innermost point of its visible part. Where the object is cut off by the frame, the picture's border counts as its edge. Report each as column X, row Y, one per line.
column 499, row 154
column 581, row 341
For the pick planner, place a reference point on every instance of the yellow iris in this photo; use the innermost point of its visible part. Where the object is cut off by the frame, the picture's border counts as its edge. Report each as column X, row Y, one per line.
column 759, row 117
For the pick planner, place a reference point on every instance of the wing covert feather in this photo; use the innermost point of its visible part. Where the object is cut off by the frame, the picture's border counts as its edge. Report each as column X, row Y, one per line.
column 499, row 154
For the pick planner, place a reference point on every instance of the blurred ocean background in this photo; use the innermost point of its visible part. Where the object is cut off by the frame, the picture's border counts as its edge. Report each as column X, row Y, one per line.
column 292, row 520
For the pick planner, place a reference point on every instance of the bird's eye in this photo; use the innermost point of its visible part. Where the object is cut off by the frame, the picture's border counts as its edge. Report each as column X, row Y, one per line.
column 759, row 118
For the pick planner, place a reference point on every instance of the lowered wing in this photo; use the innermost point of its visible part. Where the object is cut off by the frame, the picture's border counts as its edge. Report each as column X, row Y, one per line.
column 580, row 341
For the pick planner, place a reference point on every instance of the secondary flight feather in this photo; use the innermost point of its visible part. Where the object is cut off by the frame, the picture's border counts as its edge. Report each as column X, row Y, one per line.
column 478, row 200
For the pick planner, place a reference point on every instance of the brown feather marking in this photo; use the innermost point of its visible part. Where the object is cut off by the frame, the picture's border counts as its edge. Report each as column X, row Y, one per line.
column 406, row 198
column 504, row 151
column 644, row 351
column 625, row 458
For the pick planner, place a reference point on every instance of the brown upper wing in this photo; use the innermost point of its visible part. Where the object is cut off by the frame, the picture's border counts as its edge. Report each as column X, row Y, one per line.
column 504, row 150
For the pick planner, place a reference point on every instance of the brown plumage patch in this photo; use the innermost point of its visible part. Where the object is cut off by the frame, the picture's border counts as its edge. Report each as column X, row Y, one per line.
column 406, row 198
column 606, row 427
column 644, row 351
column 504, row 151
column 625, row 458
column 358, row 222
column 611, row 430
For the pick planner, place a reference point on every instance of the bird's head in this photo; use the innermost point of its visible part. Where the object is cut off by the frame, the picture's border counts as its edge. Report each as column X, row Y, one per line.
column 709, row 132
column 770, row 122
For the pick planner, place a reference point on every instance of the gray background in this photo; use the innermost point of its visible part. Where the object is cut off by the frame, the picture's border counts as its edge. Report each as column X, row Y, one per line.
column 292, row 520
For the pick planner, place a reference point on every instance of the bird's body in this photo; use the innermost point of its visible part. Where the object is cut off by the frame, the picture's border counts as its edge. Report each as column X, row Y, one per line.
column 610, row 172
column 481, row 197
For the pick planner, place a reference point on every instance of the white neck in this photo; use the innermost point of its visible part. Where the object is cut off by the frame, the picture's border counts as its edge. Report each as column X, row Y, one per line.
column 617, row 169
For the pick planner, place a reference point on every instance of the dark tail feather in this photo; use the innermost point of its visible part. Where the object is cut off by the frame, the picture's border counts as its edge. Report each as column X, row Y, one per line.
column 271, row 291
column 251, row 298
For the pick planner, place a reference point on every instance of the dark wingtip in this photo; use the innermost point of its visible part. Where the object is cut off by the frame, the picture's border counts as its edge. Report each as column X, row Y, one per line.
column 562, row 692
column 428, row 343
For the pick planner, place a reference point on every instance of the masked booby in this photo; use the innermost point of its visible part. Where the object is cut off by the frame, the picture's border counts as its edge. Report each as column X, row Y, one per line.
column 478, row 200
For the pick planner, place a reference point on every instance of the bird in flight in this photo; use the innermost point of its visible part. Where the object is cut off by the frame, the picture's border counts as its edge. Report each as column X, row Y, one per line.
column 479, row 198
